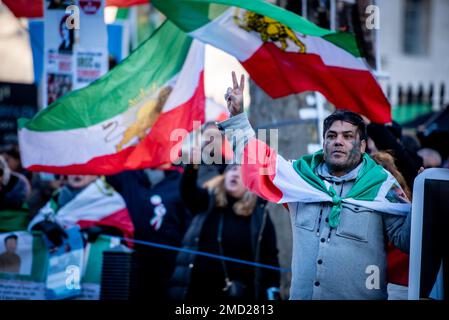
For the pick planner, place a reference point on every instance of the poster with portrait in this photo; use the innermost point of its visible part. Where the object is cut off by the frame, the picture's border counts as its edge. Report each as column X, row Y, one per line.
column 30, row 270
column 23, row 261
column 59, row 44
column 16, row 253
column 75, row 46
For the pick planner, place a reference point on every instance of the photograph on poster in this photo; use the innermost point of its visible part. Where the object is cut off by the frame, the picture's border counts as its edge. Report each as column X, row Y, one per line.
column 58, row 85
column 16, row 253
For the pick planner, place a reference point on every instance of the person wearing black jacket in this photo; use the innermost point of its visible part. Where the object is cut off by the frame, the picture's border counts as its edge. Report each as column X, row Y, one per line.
column 247, row 233
column 159, row 216
column 388, row 138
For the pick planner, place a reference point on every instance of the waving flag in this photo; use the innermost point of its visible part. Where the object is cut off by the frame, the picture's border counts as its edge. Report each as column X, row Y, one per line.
column 123, row 120
column 125, row 3
column 282, row 52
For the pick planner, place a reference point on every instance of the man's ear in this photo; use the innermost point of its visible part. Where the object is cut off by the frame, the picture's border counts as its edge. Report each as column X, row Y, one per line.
column 362, row 146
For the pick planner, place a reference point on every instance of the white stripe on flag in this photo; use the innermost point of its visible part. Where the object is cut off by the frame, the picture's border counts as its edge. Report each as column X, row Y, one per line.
column 91, row 204
column 293, row 187
column 189, row 77
column 225, row 34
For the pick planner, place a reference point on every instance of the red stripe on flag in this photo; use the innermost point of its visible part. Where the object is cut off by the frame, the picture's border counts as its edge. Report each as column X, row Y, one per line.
column 25, row 8
column 108, row 164
column 125, row 3
column 35, row 8
column 119, row 220
column 154, row 151
column 282, row 73
column 259, row 170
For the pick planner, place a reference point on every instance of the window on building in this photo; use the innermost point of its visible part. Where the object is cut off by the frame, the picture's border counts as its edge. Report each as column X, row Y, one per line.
column 416, row 27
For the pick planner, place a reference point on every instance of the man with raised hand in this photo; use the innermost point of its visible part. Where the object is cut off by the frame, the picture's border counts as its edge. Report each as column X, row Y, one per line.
column 344, row 207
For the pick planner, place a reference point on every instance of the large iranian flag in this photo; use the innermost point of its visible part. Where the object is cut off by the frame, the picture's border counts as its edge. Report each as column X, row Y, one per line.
column 125, row 119
column 282, row 52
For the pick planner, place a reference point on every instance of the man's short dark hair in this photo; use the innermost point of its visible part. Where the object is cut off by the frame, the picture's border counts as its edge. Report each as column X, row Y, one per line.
column 346, row 116
column 11, row 236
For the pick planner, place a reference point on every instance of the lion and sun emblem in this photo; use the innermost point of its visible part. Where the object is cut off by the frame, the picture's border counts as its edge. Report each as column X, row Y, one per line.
column 269, row 29
column 140, row 117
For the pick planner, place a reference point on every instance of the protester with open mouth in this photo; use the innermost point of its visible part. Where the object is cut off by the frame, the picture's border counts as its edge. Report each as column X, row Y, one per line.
column 229, row 221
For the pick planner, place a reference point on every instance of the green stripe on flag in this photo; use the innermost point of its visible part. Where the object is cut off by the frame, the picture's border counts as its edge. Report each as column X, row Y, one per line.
column 151, row 65
column 190, row 15
column 122, row 13
column 346, row 41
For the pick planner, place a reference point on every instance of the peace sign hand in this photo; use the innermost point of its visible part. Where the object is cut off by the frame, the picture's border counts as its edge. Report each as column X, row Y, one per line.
column 234, row 96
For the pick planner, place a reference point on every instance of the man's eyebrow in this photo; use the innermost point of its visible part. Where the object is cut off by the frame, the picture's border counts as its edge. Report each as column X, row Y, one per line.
column 346, row 131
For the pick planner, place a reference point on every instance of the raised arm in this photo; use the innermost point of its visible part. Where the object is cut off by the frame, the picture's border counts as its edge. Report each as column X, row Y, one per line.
column 260, row 163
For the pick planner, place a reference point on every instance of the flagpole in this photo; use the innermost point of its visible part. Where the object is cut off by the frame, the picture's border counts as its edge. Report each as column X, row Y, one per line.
column 377, row 47
column 134, row 27
column 320, row 100
column 333, row 15
column 378, row 71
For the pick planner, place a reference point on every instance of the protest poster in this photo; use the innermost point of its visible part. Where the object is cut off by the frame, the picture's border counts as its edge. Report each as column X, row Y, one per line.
column 75, row 46
column 91, row 51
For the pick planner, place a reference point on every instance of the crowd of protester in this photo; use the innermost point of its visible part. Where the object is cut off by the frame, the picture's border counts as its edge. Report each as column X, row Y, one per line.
column 202, row 208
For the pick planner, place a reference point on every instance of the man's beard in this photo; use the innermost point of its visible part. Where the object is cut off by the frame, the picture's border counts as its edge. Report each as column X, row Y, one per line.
column 345, row 167
column 337, row 167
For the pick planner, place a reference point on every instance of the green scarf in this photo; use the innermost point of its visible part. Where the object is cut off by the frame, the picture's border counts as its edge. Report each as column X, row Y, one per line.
column 366, row 186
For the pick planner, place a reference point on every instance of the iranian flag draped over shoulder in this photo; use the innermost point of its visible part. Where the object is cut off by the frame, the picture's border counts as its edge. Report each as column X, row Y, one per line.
column 278, row 180
column 125, row 119
column 282, row 52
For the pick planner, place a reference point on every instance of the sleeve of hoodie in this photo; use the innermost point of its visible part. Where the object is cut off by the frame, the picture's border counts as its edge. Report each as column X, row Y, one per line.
column 398, row 231
column 260, row 164
column 397, row 227
column 408, row 163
